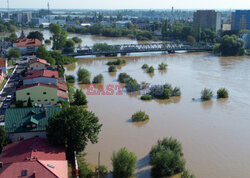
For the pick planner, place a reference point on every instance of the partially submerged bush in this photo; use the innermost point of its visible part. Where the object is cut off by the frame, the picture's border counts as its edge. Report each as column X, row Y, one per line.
column 164, row 91
column 145, row 66
column 98, row 79
column 123, row 77
column 206, row 94
column 118, row 61
column 151, row 69
column 112, row 68
column 132, row 85
column 222, row 93
column 124, row 163
column 162, row 66
column 146, row 97
column 165, row 157
column 187, row 174
column 83, row 76
column 139, row 116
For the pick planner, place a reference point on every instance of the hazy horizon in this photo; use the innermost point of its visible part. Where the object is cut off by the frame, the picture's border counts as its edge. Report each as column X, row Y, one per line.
column 128, row 4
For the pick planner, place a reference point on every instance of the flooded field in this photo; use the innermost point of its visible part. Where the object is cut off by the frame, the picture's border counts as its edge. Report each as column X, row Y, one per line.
column 215, row 135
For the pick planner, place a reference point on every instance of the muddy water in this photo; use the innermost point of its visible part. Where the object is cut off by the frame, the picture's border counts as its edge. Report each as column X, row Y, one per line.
column 215, row 135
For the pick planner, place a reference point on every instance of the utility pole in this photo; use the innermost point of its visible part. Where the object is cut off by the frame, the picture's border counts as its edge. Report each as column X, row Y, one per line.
column 48, row 11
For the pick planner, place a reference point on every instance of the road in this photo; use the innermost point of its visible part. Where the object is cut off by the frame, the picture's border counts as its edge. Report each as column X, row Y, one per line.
column 10, row 88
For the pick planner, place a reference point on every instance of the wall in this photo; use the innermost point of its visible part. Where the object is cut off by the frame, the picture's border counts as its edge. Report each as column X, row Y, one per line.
column 16, row 136
column 37, row 66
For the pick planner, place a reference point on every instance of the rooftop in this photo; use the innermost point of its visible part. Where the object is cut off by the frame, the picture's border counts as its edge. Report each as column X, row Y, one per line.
column 31, row 149
column 34, row 119
column 2, row 62
column 41, row 73
column 26, row 42
column 38, row 60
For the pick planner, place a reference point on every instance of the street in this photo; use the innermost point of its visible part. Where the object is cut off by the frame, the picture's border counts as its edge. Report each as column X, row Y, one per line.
column 10, row 88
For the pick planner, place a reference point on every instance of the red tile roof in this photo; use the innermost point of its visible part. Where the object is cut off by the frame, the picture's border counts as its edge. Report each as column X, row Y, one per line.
column 62, row 94
column 37, row 84
column 62, row 86
column 15, row 170
column 26, row 42
column 2, row 62
column 59, row 169
column 38, row 60
column 31, row 149
column 41, row 73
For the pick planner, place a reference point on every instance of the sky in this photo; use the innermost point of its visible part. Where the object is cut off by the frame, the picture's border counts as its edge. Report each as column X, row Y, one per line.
column 128, row 4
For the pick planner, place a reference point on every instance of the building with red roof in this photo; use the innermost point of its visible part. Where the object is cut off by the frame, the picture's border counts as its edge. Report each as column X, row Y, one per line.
column 38, row 64
column 26, row 45
column 3, row 65
column 33, row 157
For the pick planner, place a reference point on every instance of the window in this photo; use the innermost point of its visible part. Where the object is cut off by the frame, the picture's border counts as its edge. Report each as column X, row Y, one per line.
column 52, row 100
column 44, row 93
column 46, row 100
column 28, row 93
column 39, row 100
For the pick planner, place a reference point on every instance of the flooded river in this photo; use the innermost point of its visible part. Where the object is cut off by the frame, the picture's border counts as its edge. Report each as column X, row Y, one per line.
column 215, row 135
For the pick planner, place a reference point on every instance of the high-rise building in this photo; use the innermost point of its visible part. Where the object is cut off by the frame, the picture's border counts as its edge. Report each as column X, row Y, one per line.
column 208, row 19
column 241, row 20
column 27, row 17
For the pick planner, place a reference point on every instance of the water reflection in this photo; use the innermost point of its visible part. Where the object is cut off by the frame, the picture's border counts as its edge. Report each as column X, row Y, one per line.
column 138, row 124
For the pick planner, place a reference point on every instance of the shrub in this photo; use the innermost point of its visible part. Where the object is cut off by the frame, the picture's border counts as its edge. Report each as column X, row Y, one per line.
column 98, row 79
column 145, row 66
column 206, row 94
column 151, row 69
column 165, row 157
column 132, row 85
column 70, row 78
column 80, row 98
column 222, row 93
column 146, row 97
column 47, row 41
column 84, row 170
column 164, row 91
column 101, row 170
column 112, row 68
column 83, row 76
column 123, row 77
column 118, row 61
column 162, row 66
column 187, row 174
column 124, row 163
column 139, row 116
column 176, row 92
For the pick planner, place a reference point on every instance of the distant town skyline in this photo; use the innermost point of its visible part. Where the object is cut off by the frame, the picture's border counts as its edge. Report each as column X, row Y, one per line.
column 128, row 4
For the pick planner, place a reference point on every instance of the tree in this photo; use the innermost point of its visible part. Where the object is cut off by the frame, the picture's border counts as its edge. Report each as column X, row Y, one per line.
column 139, row 116
column 47, row 42
column 83, row 76
column 36, row 35
column 77, row 40
column 231, row 46
column 42, row 52
column 206, row 94
column 29, row 103
column 12, row 38
column 80, row 98
column 222, row 93
column 69, row 46
column 98, row 79
column 124, row 163
column 165, row 157
column 13, row 53
column 162, row 66
column 59, row 36
column 73, row 128
column 151, row 69
column 3, row 137
column 112, row 68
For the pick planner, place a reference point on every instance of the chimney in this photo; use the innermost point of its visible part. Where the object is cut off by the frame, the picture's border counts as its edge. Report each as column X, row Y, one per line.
column 34, row 174
column 1, row 164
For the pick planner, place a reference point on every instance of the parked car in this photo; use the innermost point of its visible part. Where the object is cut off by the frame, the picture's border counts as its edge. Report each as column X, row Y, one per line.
column 5, row 105
column 9, row 98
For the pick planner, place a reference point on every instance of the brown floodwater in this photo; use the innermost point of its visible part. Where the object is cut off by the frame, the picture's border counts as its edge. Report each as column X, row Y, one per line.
column 215, row 135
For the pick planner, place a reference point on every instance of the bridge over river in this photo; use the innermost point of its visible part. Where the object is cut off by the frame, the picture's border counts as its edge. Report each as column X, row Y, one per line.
column 114, row 50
